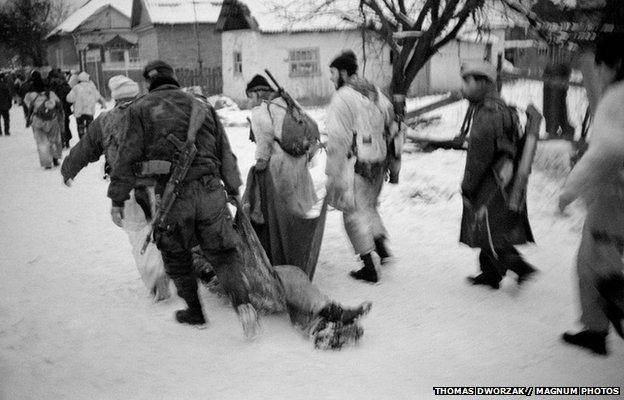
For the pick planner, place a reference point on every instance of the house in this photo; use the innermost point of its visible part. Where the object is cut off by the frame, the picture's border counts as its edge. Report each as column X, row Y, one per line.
column 298, row 51
column 182, row 33
column 96, row 38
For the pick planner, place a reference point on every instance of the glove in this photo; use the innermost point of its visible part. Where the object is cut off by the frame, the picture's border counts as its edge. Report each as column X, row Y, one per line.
column 117, row 215
column 261, row 165
column 68, row 182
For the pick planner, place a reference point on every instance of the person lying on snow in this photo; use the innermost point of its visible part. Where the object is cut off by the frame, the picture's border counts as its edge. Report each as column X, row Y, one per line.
column 328, row 324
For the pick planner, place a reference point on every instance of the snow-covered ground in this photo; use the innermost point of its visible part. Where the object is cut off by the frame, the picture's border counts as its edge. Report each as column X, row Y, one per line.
column 76, row 321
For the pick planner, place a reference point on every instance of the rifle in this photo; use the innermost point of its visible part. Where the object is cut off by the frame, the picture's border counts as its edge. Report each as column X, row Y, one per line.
column 283, row 94
column 187, row 152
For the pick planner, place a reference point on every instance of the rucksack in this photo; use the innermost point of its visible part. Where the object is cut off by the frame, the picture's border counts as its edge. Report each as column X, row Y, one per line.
column 47, row 109
column 299, row 131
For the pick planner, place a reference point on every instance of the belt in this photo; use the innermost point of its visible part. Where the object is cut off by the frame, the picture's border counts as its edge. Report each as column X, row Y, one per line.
column 152, row 168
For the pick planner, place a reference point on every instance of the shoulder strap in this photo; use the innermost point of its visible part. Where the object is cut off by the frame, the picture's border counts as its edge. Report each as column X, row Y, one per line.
column 198, row 116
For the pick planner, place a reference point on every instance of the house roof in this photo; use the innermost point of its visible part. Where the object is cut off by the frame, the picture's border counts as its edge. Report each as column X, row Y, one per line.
column 90, row 8
column 182, row 11
column 276, row 16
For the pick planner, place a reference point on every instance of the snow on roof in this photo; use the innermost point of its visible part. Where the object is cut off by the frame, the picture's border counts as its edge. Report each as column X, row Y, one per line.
column 183, row 11
column 274, row 16
column 91, row 7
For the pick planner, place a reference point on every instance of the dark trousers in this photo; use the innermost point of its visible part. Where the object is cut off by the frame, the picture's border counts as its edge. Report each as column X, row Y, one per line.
column 5, row 119
column 66, row 136
column 200, row 216
column 83, row 123
column 495, row 263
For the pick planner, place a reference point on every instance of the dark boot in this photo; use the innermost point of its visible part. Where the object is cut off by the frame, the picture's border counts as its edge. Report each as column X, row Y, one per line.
column 55, row 162
column 517, row 264
column 594, row 341
column 612, row 290
column 187, row 290
column 190, row 316
column 485, row 279
column 368, row 272
column 333, row 312
column 381, row 250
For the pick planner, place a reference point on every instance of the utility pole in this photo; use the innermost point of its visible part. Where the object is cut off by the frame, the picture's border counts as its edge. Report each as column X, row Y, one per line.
column 199, row 58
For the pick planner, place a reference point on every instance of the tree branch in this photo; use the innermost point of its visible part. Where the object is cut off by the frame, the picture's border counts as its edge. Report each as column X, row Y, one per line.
column 463, row 15
column 402, row 7
column 423, row 14
column 387, row 26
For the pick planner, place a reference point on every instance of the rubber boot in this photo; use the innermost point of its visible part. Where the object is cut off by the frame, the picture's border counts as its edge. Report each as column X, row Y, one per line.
column 517, row 264
column 612, row 291
column 592, row 340
column 490, row 275
column 368, row 272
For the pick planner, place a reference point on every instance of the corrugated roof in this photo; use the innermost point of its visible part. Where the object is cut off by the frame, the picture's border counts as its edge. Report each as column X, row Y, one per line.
column 83, row 13
column 183, row 11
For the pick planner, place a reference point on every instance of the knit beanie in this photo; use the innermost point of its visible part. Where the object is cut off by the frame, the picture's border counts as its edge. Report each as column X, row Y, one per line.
column 83, row 77
column 258, row 82
column 157, row 67
column 122, row 87
column 346, row 61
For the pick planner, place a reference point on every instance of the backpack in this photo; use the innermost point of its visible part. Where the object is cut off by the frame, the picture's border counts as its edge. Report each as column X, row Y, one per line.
column 299, row 131
column 46, row 110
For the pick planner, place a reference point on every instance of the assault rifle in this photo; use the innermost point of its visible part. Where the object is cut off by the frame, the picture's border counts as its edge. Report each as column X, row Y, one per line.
column 290, row 103
column 186, row 154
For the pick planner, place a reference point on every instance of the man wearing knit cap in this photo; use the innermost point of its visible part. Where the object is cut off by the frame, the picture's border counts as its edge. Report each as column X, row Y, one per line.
column 103, row 137
column 84, row 96
column 359, row 121
column 157, row 130
column 487, row 221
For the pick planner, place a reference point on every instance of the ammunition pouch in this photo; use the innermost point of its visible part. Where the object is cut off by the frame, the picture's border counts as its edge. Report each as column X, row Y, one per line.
column 153, row 168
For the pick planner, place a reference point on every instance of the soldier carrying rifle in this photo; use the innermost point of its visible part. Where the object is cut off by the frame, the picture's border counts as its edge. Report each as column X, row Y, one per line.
column 180, row 141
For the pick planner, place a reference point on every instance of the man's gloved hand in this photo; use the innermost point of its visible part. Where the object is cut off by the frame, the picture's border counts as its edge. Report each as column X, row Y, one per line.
column 117, row 215
column 68, row 182
column 261, row 165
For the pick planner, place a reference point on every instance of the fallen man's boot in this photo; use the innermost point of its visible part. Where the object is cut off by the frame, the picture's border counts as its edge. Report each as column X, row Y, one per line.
column 190, row 316
column 249, row 320
column 594, row 341
column 334, row 335
column 368, row 272
column 335, row 313
column 484, row 279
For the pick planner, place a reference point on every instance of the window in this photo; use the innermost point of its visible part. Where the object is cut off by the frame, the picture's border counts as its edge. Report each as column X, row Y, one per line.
column 133, row 54
column 238, row 63
column 116, row 55
column 303, row 62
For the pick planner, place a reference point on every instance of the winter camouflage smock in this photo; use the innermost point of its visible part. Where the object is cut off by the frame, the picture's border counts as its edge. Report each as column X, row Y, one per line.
column 166, row 110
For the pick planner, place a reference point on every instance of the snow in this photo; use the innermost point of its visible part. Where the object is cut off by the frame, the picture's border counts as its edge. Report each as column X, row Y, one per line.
column 182, row 11
column 77, row 323
column 91, row 7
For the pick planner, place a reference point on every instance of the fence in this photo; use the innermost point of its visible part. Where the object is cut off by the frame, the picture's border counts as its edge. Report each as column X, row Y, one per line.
column 209, row 79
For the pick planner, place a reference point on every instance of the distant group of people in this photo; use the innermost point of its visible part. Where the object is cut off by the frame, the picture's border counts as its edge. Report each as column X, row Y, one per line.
column 169, row 144
column 47, row 104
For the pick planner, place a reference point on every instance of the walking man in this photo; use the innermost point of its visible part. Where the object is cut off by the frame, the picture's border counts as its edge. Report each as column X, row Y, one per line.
column 487, row 221
column 359, row 118
column 158, row 130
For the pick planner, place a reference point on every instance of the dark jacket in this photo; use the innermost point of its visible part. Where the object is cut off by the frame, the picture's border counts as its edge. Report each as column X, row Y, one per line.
column 166, row 110
column 61, row 88
column 102, row 137
column 492, row 139
column 6, row 95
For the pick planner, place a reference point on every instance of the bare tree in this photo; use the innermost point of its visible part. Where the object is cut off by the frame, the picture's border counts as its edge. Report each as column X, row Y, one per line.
column 25, row 23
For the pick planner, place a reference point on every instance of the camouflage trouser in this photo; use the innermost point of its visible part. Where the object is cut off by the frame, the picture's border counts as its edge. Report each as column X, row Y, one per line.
column 200, row 216
column 363, row 224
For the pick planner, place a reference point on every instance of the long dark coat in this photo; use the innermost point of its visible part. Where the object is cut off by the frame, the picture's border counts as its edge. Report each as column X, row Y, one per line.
column 492, row 139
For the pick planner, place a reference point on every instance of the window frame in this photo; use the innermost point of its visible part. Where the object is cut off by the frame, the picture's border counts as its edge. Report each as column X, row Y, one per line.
column 300, row 57
column 237, row 59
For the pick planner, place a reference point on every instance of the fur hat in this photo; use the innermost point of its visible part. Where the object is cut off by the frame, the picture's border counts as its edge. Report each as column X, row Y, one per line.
column 122, row 87
column 258, row 82
column 157, row 67
column 347, row 61
column 478, row 68
column 83, row 77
